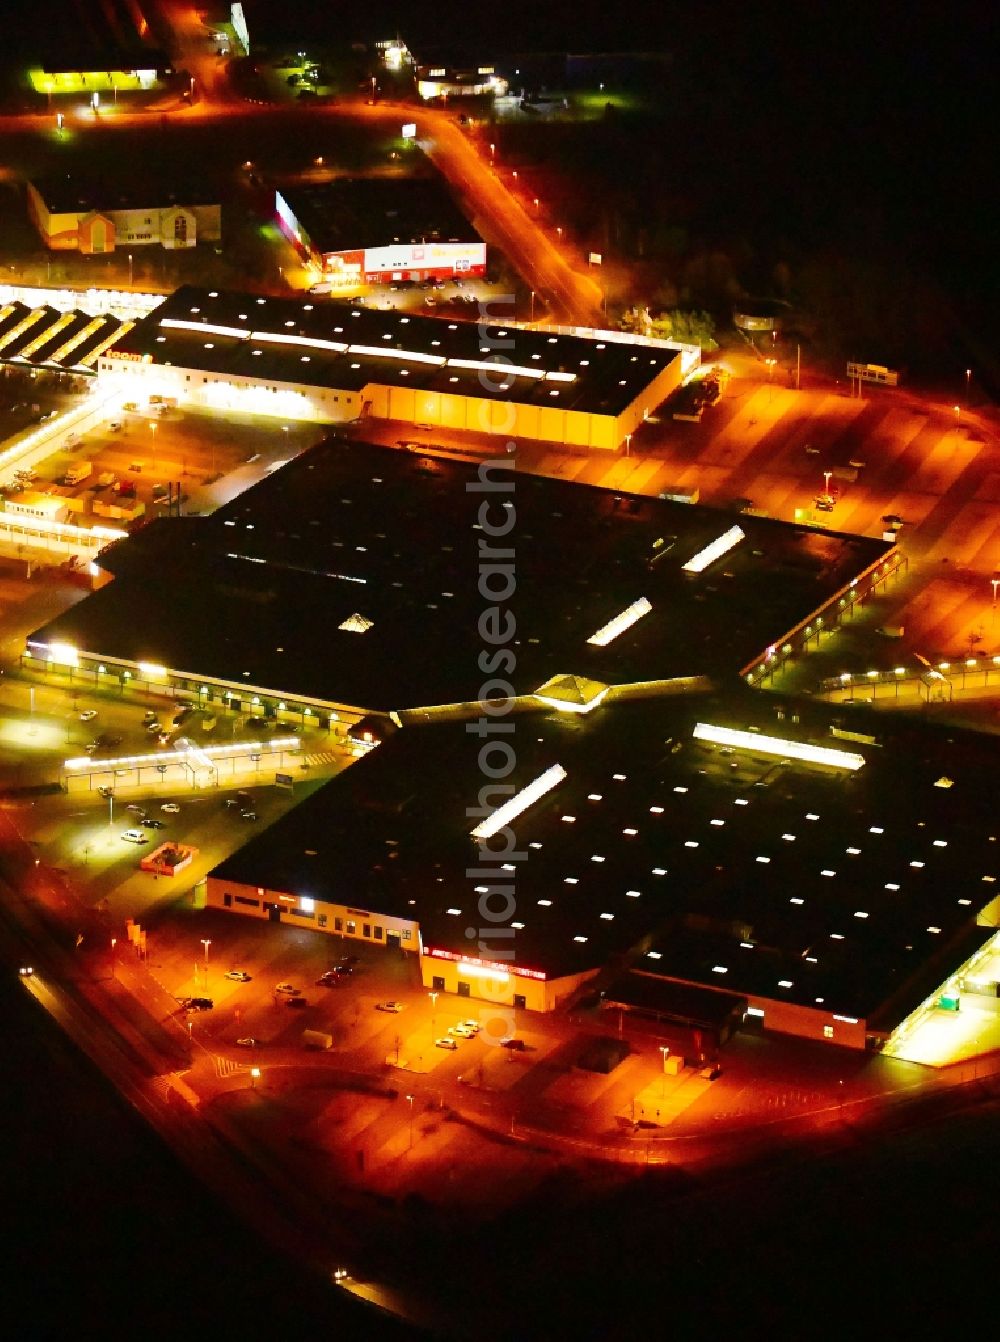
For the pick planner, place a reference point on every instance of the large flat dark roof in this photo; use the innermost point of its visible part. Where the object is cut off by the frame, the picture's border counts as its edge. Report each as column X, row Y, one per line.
column 596, row 376
column 350, row 213
column 256, row 592
column 850, row 892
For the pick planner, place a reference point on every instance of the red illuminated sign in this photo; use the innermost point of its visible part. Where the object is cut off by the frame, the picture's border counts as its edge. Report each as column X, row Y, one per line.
column 486, row 964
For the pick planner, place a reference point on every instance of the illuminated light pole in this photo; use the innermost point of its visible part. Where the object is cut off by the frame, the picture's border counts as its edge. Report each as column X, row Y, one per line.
column 130, row 270
column 114, row 943
column 958, row 412
column 535, row 202
column 995, row 583
column 434, row 997
column 111, row 809
column 532, row 305
column 59, row 121
column 254, row 1077
column 665, row 1052
column 559, row 231
column 770, row 378
column 968, row 385
column 206, row 942
column 493, row 153
column 826, row 481
column 409, row 1099
column 514, row 174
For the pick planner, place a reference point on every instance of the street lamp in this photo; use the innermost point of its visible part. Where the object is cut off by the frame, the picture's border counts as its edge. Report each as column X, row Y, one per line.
column 254, row 1077
column 130, row 270
column 532, row 305
column 826, row 481
column 114, row 943
column 968, row 385
column 434, row 998
column 995, row 583
column 111, row 809
column 410, row 1102
column 206, row 942
column 958, row 412
column 536, row 204
column 664, row 1052
column 493, row 152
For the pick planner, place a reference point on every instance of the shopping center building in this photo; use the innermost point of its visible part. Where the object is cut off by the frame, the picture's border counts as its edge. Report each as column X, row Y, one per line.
column 337, row 362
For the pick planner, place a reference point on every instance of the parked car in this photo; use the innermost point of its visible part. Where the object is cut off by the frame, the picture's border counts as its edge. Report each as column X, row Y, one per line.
column 197, row 1003
column 231, row 802
column 248, row 1042
column 135, row 836
column 170, row 807
column 148, row 822
column 287, row 989
column 154, row 727
column 462, row 1031
column 148, row 716
column 394, row 1007
column 88, row 715
column 296, row 1002
column 248, row 815
column 238, row 976
column 329, row 979
column 134, row 806
column 711, row 1073
column 446, row 1043
column 517, row 1044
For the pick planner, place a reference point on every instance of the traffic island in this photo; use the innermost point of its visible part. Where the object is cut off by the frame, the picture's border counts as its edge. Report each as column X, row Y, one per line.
column 168, row 859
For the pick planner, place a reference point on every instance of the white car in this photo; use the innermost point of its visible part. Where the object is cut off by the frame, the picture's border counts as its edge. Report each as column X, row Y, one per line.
column 393, row 1007
column 446, row 1043
column 88, row 715
column 135, row 836
column 287, row 989
column 170, row 807
column 238, row 976
column 462, row 1030
column 472, row 1025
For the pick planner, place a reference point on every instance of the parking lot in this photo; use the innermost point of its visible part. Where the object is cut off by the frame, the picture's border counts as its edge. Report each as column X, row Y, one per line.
column 135, row 456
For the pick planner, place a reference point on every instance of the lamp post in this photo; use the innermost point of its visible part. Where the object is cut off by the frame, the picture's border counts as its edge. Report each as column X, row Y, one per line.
column 114, row 943
column 826, row 481
column 206, row 942
column 532, row 305
column 664, row 1052
column 968, row 385
column 130, row 270
column 995, row 583
column 434, row 998
column 254, row 1077
column 493, row 153
column 409, row 1100
column 111, row 809
column 535, row 203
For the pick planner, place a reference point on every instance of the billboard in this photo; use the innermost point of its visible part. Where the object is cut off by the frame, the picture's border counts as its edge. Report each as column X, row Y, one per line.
column 402, row 258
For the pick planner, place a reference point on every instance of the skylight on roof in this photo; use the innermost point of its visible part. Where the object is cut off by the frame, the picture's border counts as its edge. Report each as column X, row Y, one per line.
column 356, row 624
column 520, row 802
column 623, row 620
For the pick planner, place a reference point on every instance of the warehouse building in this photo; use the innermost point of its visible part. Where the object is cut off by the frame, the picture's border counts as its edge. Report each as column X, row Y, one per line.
column 377, row 230
column 332, row 586
column 98, row 217
column 818, row 891
column 333, row 362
